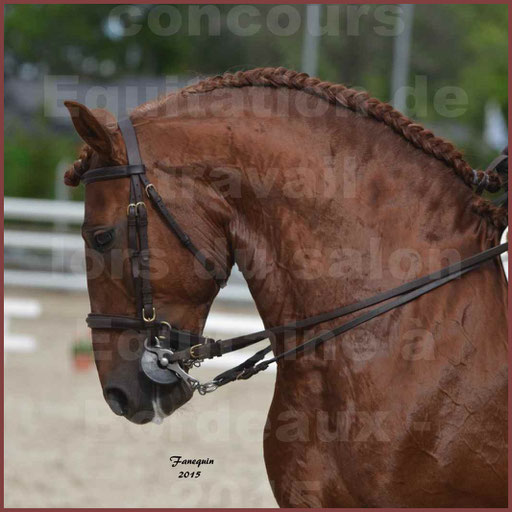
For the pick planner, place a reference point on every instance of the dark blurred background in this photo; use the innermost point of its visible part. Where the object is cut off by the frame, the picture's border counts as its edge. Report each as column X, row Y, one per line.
column 454, row 46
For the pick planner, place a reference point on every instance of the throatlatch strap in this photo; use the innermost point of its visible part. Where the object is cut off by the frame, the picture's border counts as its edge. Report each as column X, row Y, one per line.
column 180, row 234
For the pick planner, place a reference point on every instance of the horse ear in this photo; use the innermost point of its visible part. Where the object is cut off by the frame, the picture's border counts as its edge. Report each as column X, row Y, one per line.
column 92, row 127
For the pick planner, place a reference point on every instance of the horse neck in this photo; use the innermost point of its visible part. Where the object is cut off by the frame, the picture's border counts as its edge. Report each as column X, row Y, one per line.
column 337, row 218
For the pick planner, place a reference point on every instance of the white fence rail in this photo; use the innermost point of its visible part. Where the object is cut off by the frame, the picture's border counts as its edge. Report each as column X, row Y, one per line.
column 43, row 210
column 43, row 240
column 19, row 308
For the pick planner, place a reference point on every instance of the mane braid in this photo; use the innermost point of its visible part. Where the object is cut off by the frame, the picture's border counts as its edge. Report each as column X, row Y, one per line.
column 362, row 103
column 357, row 101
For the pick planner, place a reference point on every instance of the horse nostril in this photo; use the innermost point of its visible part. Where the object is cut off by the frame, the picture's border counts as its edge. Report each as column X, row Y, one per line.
column 117, row 401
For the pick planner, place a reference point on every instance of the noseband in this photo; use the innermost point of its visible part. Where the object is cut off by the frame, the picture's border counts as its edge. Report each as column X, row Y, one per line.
column 169, row 352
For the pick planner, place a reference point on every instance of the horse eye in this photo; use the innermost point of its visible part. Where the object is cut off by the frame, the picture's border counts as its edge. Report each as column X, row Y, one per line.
column 103, row 239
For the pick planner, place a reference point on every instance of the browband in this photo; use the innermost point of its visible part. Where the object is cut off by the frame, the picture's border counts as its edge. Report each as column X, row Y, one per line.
column 111, row 173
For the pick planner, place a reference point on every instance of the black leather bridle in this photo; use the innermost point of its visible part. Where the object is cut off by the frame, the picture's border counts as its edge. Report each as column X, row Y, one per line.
column 169, row 352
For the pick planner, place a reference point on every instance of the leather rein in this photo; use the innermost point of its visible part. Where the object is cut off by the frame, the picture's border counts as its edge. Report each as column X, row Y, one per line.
column 168, row 351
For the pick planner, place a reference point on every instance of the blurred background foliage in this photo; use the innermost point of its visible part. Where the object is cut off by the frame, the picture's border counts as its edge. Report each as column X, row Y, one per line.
column 456, row 45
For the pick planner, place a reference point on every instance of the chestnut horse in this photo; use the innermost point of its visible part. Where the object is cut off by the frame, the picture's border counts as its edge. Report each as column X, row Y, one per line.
column 323, row 196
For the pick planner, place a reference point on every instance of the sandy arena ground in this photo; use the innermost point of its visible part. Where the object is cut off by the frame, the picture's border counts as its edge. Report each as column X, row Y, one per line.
column 65, row 448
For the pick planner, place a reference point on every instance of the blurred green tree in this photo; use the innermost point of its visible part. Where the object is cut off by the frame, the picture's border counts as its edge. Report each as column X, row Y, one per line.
column 463, row 46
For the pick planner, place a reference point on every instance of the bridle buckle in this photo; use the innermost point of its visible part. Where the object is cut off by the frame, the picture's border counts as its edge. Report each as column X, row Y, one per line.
column 148, row 320
column 192, row 350
column 147, row 187
column 135, row 207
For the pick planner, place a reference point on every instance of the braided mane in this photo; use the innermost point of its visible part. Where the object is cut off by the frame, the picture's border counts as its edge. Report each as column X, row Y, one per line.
column 362, row 103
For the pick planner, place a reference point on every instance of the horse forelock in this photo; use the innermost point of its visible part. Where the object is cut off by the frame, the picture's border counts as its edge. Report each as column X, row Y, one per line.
column 82, row 164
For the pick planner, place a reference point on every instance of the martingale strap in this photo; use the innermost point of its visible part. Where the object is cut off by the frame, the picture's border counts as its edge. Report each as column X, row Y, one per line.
column 188, row 347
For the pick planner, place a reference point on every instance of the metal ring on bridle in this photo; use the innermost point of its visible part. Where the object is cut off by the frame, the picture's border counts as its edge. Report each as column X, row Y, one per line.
column 207, row 387
column 168, row 325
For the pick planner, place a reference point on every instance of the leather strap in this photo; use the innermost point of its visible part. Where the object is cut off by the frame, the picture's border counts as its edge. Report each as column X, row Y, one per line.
column 98, row 321
column 130, row 141
column 225, row 346
column 246, row 370
column 177, row 338
column 497, row 163
column 500, row 165
column 111, row 173
column 185, row 240
column 139, row 245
